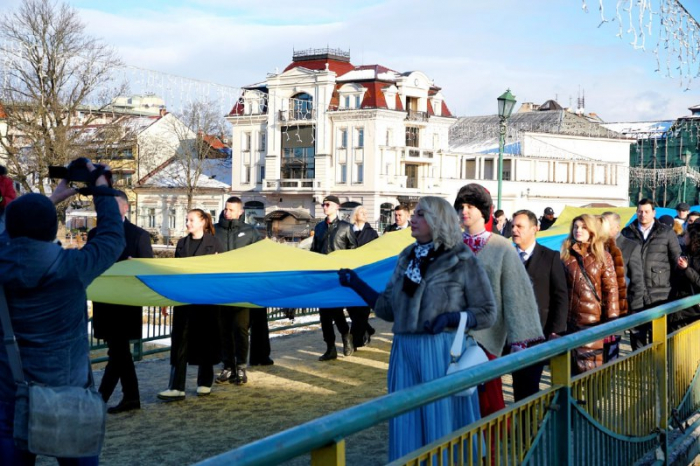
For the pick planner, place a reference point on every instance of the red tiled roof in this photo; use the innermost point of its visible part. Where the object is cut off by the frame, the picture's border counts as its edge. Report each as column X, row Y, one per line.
column 339, row 67
column 399, row 104
column 445, row 111
column 374, row 96
column 214, row 142
column 237, row 109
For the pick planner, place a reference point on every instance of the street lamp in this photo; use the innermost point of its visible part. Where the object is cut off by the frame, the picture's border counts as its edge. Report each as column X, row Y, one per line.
column 506, row 102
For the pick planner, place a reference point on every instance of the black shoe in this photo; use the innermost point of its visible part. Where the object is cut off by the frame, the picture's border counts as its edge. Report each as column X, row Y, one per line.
column 348, row 347
column 264, row 362
column 239, row 378
column 124, row 405
column 330, row 354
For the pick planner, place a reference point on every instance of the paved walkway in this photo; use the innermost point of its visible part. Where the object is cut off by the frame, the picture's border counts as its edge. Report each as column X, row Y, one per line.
column 296, row 389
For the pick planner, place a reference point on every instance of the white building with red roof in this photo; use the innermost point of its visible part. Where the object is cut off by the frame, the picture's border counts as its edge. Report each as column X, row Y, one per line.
column 367, row 134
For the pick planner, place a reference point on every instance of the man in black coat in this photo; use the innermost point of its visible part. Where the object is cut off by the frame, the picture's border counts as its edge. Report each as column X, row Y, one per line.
column 117, row 324
column 548, row 279
column 236, row 324
column 660, row 251
column 632, row 257
column 330, row 235
column 401, row 215
column 548, row 219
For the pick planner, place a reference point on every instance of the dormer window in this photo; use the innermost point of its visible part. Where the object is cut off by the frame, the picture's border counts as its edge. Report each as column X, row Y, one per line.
column 351, row 96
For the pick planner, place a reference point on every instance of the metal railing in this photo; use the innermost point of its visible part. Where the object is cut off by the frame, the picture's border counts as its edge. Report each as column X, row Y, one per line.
column 614, row 414
column 158, row 326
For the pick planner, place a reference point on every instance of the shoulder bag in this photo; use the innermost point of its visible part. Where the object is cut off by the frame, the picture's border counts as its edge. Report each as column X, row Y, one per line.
column 64, row 422
column 472, row 355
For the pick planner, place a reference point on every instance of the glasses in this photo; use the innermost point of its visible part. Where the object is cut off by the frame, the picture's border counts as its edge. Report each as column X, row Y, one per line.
column 326, row 204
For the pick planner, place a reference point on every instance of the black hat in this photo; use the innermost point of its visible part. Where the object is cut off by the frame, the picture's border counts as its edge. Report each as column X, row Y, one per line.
column 476, row 195
column 332, row 198
column 549, row 211
column 31, row 215
column 666, row 220
column 683, row 207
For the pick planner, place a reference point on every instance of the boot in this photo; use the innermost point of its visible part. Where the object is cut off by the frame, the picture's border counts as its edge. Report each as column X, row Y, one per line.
column 331, row 353
column 348, row 347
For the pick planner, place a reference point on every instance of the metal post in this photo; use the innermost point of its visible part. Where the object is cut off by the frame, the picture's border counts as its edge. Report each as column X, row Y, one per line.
column 331, row 455
column 565, row 437
column 659, row 343
column 501, row 147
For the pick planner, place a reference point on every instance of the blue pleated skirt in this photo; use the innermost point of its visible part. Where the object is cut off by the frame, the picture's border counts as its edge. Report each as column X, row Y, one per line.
column 415, row 359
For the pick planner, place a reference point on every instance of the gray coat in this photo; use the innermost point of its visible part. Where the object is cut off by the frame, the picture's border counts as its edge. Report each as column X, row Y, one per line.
column 454, row 282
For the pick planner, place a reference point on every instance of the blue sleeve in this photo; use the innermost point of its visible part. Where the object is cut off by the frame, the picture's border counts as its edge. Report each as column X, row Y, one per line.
column 100, row 252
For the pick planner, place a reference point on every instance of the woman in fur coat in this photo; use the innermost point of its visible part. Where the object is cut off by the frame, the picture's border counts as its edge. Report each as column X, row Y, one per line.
column 435, row 279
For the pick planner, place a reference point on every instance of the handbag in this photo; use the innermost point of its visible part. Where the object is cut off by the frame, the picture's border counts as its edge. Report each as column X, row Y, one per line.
column 472, row 355
column 64, row 422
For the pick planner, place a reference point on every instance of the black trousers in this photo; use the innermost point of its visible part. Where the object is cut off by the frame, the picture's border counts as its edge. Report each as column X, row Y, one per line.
column 259, row 336
column 328, row 316
column 360, row 324
column 234, row 323
column 120, row 367
column 526, row 381
column 178, row 369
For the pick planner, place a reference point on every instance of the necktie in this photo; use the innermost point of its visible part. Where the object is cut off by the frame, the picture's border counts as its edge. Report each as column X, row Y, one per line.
column 523, row 256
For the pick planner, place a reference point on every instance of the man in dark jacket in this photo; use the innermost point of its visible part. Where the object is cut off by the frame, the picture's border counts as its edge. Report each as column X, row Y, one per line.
column 660, row 251
column 632, row 256
column 45, row 290
column 502, row 226
column 548, row 278
column 330, row 235
column 235, row 322
column 548, row 219
column 401, row 215
column 117, row 324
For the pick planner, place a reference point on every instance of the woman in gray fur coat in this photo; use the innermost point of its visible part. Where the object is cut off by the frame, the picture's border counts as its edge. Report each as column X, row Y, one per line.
column 435, row 279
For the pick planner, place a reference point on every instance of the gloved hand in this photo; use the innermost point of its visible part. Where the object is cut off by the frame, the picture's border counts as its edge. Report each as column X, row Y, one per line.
column 348, row 277
column 448, row 319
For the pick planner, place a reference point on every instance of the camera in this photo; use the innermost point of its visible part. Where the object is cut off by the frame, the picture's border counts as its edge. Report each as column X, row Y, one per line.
column 77, row 171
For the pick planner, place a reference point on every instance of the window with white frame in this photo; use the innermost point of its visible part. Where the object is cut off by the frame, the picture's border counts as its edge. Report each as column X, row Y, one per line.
column 343, row 137
column 389, row 136
column 151, row 218
column 343, row 173
column 246, row 177
column 261, row 173
column 245, row 142
column 360, row 137
column 360, row 176
column 172, row 222
column 262, row 141
column 347, row 101
column 358, row 101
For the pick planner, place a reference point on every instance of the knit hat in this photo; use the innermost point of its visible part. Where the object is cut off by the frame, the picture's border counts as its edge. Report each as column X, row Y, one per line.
column 476, row 195
column 32, row 215
column 666, row 220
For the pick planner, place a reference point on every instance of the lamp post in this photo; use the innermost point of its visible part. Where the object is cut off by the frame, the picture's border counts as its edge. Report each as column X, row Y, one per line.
column 506, row 102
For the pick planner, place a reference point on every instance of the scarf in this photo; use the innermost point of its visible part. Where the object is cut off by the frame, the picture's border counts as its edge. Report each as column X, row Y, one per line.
column 421, row 256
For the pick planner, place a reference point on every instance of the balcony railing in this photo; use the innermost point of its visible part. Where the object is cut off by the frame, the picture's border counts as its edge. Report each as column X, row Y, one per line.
column 414, row 115
column 291, row 183
column 296, row 115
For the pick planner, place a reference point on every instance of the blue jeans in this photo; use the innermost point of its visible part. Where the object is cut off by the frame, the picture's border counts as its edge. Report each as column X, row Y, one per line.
column 10, row 454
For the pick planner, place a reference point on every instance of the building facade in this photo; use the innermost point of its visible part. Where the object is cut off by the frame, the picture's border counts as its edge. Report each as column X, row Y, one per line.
column 367, row 134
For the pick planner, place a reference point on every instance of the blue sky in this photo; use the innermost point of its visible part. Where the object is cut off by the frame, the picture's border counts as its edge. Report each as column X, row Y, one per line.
column 540, row 49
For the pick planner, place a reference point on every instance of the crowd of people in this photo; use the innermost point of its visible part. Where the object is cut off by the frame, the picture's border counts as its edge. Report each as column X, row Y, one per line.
column 466, row 259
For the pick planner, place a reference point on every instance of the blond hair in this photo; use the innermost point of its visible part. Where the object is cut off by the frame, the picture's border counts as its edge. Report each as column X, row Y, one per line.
column 596, row 240
column 443, row 221
column 355, row 213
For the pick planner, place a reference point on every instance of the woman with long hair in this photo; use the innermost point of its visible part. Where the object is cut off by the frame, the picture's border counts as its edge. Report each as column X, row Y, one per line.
column 435, row 279
column 194, row 335
column 592, row 284
column 688, row 279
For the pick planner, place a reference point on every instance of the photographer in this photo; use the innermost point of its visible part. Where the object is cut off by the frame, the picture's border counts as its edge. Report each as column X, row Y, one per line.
column 45, row 290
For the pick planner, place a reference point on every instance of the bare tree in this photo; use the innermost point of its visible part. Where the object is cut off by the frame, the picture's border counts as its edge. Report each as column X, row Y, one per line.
column 189, row 140
column 51, row 70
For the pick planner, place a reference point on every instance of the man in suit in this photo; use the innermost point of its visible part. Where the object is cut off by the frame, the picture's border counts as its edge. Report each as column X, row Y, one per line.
column 401, row 214
column 632, row 256
column 117, row 324
column 548, row 279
